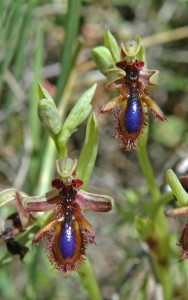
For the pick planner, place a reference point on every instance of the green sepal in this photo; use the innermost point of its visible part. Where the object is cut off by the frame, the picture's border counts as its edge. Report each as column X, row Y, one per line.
column 78, row 114
column 176, row 187
column 48, row 113
column 103, row 58
column 111, row 44
column 89, row 151
column 131, row 48
column 141, row 55
column 114, row 74
column 43, row 93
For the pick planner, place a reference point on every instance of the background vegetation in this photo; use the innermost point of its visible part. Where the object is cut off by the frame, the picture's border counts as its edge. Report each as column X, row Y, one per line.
column 39, row 41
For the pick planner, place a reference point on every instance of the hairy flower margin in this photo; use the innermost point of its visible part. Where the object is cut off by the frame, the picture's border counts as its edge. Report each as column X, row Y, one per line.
column 68, row 233
column 132, row 80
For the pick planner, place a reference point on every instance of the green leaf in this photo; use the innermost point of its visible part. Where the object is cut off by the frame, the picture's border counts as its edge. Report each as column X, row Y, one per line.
column 78, row 114
column 89, row 151
column 68, row 55
column 111, row 44
column 10, row 33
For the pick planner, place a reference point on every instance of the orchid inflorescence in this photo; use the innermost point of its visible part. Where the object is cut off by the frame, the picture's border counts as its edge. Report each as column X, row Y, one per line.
column 68, row 233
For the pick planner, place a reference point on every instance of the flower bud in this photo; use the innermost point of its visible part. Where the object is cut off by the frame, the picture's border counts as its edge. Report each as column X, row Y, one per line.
column 48, row 113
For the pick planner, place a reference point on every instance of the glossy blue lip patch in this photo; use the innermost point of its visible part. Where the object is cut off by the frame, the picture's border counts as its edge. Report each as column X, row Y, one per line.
column 133, row 115
column 67, row 241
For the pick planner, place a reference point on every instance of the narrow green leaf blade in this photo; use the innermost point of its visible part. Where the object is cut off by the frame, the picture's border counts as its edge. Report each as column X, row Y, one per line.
column 67, row 60
column 89, row 151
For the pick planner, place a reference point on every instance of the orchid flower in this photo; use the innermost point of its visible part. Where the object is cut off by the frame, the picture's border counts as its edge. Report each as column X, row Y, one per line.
column 68, row 233
column 125, row 70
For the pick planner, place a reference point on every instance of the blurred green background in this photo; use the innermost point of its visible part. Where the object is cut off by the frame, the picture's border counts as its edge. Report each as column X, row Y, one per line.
column 40, row 43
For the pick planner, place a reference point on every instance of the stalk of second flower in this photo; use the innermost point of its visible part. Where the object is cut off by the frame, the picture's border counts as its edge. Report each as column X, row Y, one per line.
column 158, row 238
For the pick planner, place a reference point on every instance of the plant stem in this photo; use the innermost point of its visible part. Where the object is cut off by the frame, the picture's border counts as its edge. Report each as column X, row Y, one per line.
column 148, row 173
column 89, row 282
column 158, row 242
column 165, row 198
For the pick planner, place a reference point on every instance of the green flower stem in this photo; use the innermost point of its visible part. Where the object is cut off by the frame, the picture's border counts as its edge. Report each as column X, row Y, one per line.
column 158, row 241
column 89, row 282
column 165, row 198
column 148, row 173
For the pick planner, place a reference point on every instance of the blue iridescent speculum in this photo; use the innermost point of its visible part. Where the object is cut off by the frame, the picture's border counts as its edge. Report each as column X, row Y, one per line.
column 133, row 115
column 67, row 240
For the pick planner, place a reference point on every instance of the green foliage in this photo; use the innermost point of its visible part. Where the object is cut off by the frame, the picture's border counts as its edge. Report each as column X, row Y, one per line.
column 68, row 55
